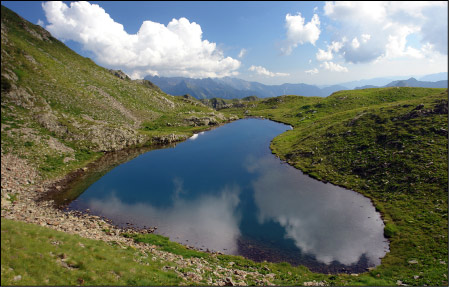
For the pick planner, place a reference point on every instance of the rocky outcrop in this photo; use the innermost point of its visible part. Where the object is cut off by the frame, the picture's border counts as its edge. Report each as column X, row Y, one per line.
column 168, row 139
column 19, row 96
column 148, row 84
column 440, row 107
column 96, row 136
column 49, row 121
column 203, row 121
column 119, row 74
column 216, row 103
column 114, row 104
column 103, row 138
column 211, row 119
column 219, row 104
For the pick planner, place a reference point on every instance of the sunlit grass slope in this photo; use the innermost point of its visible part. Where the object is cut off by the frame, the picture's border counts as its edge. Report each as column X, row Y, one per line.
column 59, row 109
column 389, row 144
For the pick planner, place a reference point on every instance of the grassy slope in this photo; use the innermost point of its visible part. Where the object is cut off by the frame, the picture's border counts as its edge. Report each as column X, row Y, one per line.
column 41, row 256
column 50, row 93
column 390, row 145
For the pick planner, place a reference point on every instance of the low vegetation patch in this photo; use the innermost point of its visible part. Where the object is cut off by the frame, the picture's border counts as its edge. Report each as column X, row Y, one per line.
column 34, row 255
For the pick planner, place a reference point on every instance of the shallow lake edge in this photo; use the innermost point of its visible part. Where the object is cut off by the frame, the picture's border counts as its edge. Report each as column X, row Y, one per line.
column 61, row 185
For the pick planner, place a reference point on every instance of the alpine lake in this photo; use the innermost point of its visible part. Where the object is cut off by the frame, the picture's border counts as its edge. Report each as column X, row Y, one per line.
column 223, row 190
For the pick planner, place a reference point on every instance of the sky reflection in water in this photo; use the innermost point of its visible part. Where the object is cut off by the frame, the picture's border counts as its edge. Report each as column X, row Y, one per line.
column 225, row 185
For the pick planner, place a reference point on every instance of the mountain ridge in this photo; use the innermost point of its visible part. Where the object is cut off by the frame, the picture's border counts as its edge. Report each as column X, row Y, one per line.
column 234, row 88
column 411, row 82
column 230, row 88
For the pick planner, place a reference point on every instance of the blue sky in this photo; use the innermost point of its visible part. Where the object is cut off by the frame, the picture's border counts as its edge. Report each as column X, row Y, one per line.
column 270, row 42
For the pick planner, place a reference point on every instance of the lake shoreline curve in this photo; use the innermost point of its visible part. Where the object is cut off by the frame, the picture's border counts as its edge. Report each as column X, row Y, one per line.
column 34, row 204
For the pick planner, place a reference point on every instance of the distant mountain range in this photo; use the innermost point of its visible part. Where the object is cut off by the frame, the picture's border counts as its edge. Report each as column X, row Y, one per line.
column 233, row 88
column 412, row 82
column 434, row 77
column 383, row 81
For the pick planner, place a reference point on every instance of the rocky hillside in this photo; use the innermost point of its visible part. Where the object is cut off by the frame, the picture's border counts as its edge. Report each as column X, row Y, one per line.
column 59, row 108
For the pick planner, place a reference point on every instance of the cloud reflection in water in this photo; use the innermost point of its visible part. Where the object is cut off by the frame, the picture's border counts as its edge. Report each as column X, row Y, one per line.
column 324, row 220
column 210, row 221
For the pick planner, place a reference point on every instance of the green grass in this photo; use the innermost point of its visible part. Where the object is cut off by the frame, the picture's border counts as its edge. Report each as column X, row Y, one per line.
column 166, row 245
column 76, row 96
column 20, row 74
column 390, row 230
column 285, row 274
column 35, row 255
column 390, row 145
column 46, row 257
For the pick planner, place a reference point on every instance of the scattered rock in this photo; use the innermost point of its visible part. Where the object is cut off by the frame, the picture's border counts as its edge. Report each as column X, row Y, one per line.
column 21, row 179
column 171, row 138
column 5, row 203
column 201, row 121
column 441, row 107
column 228, row 282
column 314, row 283
column 418, row 107
column 119, row 74
column 399, row 283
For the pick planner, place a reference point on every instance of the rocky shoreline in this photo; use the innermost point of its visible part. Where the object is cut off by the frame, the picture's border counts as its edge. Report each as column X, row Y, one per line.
column 21, row 199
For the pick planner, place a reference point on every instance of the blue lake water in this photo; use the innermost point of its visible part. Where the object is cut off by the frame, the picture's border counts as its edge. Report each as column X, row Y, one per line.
column 224, row 191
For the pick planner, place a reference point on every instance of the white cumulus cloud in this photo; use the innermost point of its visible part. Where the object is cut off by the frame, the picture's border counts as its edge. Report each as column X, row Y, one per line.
column 380, row 29
column 312, row 71
column 176, row 49
column 335, row 46
column 365, row 37
column 299, row 32
column 264, row 72
column 355, row 43
column 333, row 67
column 242, row 53
column 323, row 55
